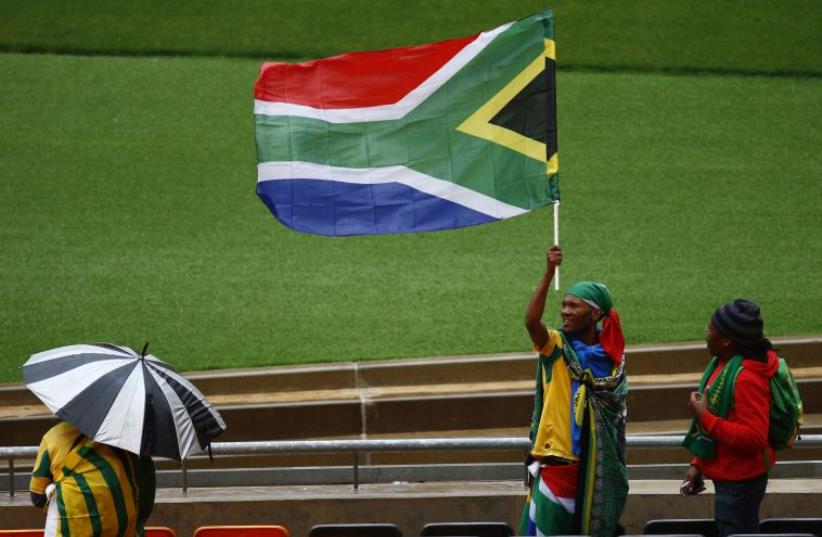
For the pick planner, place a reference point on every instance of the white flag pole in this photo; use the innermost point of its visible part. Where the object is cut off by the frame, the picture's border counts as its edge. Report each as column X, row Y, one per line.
column 556, row 241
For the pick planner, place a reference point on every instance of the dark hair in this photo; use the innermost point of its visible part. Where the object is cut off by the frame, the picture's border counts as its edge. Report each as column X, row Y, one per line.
column 758, row 349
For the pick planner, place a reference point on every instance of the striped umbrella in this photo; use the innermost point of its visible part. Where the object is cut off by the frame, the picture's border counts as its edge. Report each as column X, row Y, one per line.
column 122, row 398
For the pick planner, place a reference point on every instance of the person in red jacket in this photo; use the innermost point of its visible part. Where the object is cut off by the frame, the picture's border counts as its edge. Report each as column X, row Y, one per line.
column 729, row 433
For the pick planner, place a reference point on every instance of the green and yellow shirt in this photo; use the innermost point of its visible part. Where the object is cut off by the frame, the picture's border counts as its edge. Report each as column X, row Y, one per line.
column 98, row 488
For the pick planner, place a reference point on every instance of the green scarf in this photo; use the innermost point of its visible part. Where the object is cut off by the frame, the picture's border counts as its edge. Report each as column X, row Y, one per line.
column 595, row 292
column 720, row 399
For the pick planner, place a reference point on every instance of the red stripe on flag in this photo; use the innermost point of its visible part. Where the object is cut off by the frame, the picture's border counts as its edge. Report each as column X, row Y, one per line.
column 357, row 79
column 561, row 479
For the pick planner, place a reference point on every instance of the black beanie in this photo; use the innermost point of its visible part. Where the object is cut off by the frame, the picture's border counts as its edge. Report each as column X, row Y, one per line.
column 739, row 320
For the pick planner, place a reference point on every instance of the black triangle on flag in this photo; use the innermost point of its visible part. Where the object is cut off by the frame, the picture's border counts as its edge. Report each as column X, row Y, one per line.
column 522, row 115
column 529, row 112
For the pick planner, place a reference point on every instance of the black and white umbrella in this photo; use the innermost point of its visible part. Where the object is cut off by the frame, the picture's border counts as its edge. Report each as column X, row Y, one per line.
column 122, row 398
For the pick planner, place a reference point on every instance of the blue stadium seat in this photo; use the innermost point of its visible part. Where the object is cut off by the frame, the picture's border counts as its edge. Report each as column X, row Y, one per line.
column 477, row 529
column 681, row 526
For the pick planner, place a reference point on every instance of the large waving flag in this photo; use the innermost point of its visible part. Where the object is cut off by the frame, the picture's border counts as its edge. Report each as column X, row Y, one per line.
column 423, row 138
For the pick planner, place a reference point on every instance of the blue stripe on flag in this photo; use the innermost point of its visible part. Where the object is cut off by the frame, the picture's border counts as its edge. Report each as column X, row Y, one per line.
column 336, row 208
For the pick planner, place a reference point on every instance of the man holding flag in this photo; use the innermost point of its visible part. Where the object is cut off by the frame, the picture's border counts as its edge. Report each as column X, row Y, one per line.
column 577, row 460
column 441, row 136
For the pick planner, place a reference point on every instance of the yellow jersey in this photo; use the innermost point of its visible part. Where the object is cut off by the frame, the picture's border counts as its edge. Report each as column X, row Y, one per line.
column 551, row 420
column 96, row 485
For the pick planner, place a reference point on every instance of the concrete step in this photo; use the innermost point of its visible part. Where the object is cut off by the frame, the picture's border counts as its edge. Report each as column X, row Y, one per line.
column 665, row 359
column 677, row 362
column 465, row 396
column 394, row 415
column 386, row 392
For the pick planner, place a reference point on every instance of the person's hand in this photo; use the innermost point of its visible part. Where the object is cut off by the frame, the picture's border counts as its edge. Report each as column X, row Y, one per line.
column 693, row 483
column 554, row 256
column 697, row 404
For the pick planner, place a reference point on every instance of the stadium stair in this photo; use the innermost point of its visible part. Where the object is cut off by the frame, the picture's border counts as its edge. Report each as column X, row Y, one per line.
column 436, row 397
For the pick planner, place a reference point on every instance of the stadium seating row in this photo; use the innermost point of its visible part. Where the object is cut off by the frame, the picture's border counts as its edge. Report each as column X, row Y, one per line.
column 773, row 527
column 206, row 531
column 707, row 527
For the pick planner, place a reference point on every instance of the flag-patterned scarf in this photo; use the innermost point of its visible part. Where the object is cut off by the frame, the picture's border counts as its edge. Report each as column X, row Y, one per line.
column 603, row 479
column 719, row 399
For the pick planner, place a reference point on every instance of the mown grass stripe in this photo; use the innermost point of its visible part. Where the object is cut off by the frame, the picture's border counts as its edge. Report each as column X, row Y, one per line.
column 637, row 35
column 655, row 169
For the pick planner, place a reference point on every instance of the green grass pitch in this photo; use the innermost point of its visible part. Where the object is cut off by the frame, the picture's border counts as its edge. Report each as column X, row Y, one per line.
column 128, row 213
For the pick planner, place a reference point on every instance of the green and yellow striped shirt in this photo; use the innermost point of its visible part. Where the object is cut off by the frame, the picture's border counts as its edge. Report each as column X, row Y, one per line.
column 98, row 487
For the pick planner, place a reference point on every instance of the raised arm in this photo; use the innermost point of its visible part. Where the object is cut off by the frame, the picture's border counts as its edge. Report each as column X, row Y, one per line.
column 536, row 307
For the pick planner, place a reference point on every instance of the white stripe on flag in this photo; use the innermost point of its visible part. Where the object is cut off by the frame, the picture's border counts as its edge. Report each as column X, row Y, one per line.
column 68, row 385
column 281, row 171
column 123, row 425
column 389, row 111
column 569, row 504
column 532, row 514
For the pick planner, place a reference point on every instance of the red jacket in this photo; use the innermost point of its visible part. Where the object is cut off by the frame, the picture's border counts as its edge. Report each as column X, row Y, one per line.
column 742, row 436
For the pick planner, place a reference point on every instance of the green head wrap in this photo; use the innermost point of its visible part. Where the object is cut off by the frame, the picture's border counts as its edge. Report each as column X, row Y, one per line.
column 593, row 292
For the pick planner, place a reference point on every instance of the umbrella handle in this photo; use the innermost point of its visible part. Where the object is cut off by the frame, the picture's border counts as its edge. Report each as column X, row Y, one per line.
column 143, row 352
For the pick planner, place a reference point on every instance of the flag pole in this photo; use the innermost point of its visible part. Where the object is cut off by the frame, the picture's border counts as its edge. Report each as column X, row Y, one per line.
column 556, row 241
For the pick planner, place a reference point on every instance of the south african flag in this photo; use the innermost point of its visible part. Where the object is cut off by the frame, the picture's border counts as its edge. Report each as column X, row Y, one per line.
column 423, row 138
column 551, row 505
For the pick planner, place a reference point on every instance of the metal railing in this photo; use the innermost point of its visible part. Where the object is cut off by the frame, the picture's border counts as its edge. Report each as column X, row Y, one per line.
column 356, row 447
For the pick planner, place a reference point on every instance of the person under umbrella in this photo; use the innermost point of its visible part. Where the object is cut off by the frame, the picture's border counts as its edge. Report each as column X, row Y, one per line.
column 118, row 409
column 90, row 488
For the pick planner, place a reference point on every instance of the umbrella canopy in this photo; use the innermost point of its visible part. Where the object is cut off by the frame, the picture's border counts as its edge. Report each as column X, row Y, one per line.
column 122, row 398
